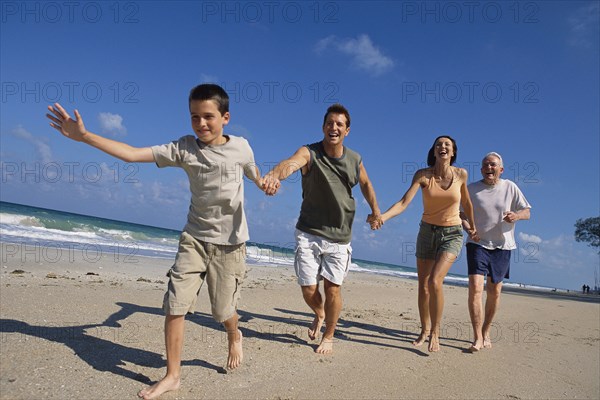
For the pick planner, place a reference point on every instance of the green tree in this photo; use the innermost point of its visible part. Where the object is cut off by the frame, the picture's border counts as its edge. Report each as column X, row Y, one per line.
column 588, row 230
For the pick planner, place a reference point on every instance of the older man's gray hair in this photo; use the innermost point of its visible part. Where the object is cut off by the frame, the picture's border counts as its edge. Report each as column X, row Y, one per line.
column 493, row 153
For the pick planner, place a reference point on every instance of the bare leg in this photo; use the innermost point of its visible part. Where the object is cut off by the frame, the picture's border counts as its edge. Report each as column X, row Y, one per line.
column 313, row 298
column 174, row 328
column 476, row 310
column 424, row 268
column 492, row 302
column 436, row 296
column 234, row 340
column 333, row 307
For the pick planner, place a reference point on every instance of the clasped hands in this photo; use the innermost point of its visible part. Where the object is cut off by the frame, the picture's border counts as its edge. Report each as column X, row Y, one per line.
column 375, row 221
column 270, row 184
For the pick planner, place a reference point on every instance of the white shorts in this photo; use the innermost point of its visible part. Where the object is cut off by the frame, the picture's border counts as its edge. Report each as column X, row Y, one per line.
column 317, row 258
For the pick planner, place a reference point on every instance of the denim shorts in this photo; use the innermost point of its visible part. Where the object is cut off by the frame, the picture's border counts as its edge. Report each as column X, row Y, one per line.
column 434, row 240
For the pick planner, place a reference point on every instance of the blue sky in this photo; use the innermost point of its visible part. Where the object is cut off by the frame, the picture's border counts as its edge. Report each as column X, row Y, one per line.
column 519, row 78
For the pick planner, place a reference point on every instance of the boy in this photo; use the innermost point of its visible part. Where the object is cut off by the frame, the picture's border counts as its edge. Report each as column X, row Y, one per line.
column 212, row 244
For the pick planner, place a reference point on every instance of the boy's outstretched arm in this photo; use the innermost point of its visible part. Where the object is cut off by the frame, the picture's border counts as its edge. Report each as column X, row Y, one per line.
column 75, row 129
column 254, row 175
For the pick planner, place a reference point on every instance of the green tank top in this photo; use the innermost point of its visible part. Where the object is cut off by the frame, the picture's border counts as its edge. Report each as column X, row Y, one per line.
column 328, row 207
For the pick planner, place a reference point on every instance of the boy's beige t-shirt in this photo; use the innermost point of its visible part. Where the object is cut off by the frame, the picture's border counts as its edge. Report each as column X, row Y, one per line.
column 216, row 174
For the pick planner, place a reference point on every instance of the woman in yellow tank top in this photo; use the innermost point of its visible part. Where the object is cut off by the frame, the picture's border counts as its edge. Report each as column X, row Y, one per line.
column 440, row 236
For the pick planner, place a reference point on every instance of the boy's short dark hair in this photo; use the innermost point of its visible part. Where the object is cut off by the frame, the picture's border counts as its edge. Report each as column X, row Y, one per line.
column 431, row 154
column 210, row 91
column 337, row 109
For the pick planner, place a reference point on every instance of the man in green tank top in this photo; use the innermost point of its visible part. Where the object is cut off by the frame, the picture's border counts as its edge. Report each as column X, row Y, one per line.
column 324, row 229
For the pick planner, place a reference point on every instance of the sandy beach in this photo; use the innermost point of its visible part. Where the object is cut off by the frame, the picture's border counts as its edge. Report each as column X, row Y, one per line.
column 76, row 325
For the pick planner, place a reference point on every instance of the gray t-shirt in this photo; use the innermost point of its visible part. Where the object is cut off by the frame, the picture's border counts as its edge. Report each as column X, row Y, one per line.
column 490, row 202
column 216, row 174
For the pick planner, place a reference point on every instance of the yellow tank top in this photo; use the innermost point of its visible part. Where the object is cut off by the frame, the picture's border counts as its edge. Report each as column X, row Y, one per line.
column 441, row 207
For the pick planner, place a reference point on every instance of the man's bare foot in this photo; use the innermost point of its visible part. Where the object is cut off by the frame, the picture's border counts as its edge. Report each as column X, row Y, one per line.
column 487, row 342
column 476, row 346
column 434, row 343
column 166, row 384
column 315, row 327
column 326, row 346
column 421, row 339
column 236, row 353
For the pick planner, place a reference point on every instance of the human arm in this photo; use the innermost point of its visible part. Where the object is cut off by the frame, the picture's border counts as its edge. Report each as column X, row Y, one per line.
column 272, row 180
column 401, row 205
column 368, row 192
column 512, row 216
column 257, row 179
column 467, row 227
column 467, row 216
column 75, row 129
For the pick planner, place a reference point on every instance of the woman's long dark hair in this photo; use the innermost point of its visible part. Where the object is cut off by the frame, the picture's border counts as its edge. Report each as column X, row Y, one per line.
column 431, row 154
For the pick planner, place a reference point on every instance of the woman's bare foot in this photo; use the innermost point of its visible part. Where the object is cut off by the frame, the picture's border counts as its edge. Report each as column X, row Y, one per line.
column 166, row 384
column 421, row 339
column 236, row 353
column 326, row 346
column 434, row 343
column 315, row 327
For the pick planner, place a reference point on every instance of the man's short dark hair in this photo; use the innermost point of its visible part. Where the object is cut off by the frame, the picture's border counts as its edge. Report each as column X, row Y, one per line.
column 210, row 91
column 337, row 109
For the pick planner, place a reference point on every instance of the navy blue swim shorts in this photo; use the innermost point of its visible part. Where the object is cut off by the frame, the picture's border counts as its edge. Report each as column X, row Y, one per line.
column 493, row 263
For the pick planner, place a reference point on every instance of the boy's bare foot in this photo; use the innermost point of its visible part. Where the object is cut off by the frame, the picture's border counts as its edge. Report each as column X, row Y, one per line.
column 487, row 342
column 166, row 384
column 326, row 346
column 236, row 353
column 476, row 346
column 434, row 343
column 421, row 339
column 315, row 327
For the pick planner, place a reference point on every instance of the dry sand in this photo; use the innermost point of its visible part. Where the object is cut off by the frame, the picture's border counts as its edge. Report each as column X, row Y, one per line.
column 69, row 335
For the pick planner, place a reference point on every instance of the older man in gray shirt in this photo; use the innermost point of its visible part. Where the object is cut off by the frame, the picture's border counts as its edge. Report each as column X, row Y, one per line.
column 497, row 205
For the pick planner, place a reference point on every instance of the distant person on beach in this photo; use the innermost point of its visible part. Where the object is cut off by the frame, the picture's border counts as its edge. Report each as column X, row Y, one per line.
column 497, row 204
column 324, row 229
column 212, row 244
column 440, row 237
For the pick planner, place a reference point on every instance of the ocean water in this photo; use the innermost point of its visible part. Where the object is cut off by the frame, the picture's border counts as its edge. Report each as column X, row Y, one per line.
column 33, row 226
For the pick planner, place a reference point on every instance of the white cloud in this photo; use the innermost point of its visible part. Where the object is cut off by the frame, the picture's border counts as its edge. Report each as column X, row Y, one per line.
column 364, row 54
column 530, row 238
column 584, row 25
column 112, row 124
column 42, row 148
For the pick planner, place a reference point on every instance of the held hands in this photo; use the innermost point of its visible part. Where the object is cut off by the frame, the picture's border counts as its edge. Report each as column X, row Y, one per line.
column 270, row 184
column 62, row 122
column 473, row 235
column 375, row 221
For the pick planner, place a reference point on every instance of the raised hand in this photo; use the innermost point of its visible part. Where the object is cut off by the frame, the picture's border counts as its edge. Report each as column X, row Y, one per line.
column 62, row 122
